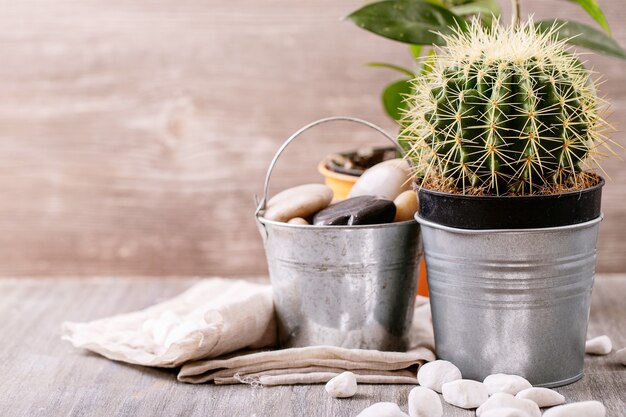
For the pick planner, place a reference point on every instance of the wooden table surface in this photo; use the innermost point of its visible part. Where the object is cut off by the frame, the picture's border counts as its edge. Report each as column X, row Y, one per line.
column 43, row 376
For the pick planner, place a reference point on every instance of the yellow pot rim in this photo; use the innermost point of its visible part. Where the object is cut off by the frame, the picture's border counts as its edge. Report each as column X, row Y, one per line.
column 322, row 169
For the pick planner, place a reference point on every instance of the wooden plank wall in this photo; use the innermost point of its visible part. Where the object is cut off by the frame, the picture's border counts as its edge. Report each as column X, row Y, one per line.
column 134, row 134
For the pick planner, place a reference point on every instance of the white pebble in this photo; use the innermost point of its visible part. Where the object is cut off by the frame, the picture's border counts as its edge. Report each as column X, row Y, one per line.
column 434, row 374
column 382, row 410
column 505, row 412
column 620, row 355
column 582, row 409
column 387, row 179
column 342, row 386
column 503, row 400
column 465, row 393
column 543, row 397
column 424, row 402
column 511, row 384
column 301, row 201
column 600, row 345
column 298, row 220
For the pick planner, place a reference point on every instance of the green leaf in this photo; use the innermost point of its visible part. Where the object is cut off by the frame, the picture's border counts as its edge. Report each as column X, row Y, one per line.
column 410, row 21
column 416, row 50
column 580, row 34
column 393, row 98
column 593, row 9
column 398, row 68
column 483, row 7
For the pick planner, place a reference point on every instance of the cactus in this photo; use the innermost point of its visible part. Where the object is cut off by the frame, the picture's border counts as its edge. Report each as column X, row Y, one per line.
column 504, row 111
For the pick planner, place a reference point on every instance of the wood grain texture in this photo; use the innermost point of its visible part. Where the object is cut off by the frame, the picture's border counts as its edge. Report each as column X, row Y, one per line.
column 44, row 376
column 134, row 134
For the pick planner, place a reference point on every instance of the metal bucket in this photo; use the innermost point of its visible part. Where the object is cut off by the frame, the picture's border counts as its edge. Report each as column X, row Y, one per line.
column 348, row 286
column 512, row 301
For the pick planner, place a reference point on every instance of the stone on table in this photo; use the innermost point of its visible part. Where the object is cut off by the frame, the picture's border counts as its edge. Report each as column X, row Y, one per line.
column 387, row 179
column 580, row 409
column 424, row 402
column 301, row 201
column 600, row 345
column 357, row 211
column 510, row 384
column 436, row 373
column 544, row 397
column 505, row 412
column 465, row 393
column 504, row 400
column 383, row 409
column 342, row 386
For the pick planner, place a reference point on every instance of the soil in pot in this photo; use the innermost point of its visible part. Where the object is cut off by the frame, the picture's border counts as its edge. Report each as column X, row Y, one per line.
column 342, row 170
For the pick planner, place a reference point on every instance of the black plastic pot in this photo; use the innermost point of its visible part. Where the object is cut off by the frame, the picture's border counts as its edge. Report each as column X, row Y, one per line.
column 510, row 212
column 359, row 160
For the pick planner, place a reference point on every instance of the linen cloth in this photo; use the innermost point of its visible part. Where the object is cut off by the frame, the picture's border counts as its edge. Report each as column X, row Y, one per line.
column 216, row 329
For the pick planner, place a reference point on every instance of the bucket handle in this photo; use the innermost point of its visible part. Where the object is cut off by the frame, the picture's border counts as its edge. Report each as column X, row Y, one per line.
column 261, row 204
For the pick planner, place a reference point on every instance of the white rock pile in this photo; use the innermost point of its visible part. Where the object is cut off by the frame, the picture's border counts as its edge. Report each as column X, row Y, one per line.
column 499, row 395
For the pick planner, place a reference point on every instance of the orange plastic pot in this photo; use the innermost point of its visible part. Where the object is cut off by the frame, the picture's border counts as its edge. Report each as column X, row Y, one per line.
column 341, row 184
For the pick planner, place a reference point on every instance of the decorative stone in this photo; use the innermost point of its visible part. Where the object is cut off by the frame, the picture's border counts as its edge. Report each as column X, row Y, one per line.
column 505, row 412
column 600, row 345
column 543, row 397
column 511, row 384
column 424, row 402
column 406, row 206
column 357, row 211
column 434, row 374
column 342, row 386
column 301, row 201
column 503, row 400
column 465, row 393
column 298, row 220
column 387, row 179
column 620, row 355
column 581, row 409
column 382, row 410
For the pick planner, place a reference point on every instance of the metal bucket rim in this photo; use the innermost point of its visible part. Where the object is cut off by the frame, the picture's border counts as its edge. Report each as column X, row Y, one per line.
column 265, row 221
column 424, row 222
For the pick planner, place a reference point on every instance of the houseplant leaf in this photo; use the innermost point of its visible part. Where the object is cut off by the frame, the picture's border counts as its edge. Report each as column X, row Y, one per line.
column 409, row 21
column 416, row 50
column 583, row 35
column 393, row 98
column 484, row 7
column 593, row 9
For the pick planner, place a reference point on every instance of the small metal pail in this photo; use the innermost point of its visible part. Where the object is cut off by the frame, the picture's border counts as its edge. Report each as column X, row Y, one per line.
column 512, row 301
column 348, row 286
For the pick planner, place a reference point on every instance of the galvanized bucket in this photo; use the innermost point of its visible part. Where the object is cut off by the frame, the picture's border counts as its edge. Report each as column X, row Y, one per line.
column 348, row 286
column 512, row 301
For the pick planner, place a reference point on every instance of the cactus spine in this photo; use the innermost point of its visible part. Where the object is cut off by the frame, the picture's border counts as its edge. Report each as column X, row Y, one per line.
column 504, row 111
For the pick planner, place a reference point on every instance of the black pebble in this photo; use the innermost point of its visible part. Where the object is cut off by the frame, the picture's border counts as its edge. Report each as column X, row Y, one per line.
column 357, row 210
